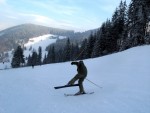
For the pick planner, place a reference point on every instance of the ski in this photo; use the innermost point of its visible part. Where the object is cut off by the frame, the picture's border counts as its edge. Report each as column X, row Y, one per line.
column 78, row 94
column 58, row 87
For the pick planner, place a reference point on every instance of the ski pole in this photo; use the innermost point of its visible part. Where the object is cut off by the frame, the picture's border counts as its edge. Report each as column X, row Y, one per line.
column 79, row 54
column 93, row 83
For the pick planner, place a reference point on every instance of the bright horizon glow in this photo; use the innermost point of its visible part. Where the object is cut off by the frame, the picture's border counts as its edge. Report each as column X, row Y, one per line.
column 77, row 15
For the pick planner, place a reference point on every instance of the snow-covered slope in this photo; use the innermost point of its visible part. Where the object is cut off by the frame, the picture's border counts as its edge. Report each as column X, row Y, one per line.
column 32, row 45
column 124, row 76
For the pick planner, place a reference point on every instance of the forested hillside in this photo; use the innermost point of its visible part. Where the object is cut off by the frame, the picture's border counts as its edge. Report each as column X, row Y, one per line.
column 11, row 37
column 128, row 27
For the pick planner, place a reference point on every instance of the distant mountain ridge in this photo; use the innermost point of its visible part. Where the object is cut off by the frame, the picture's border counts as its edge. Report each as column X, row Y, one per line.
column 10, row 37
column 35, row 29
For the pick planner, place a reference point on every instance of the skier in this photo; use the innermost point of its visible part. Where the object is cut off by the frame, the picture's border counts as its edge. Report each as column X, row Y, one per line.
column 80, row 76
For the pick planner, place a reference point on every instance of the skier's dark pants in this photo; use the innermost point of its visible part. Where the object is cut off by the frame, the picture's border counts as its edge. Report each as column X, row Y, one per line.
column 80, row 81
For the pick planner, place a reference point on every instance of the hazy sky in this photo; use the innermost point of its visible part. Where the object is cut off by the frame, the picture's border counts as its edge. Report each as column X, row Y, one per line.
column 78, row 15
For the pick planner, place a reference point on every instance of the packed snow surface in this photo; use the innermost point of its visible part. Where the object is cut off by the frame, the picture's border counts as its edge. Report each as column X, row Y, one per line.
column 124, row 78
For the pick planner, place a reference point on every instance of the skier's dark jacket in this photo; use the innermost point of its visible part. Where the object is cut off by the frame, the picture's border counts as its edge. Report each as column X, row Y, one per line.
column 81, row 68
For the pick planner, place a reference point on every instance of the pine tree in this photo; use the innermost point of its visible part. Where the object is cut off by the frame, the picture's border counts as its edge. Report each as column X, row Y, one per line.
column 74, row 52
column 48, row 55
column 119, row 21
column 138, row 16
column 51, row 57
column 45, row 59
column 60, row 55
column 102, row 39
column 67, row 51
column 34, row 58
column 18, row 57
column 39, row 59
column 90, row 46
column 96, row 48
column 29, row 62
column 82, row 50
column 110, row 38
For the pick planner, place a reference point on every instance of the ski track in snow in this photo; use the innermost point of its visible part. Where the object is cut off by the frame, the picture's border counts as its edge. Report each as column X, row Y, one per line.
column 124, row 76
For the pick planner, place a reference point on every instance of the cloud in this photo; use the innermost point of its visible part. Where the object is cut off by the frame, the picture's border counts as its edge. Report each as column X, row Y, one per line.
column 2, row 1
column 54, row 6
column 12, row 17
column 78, row 15
column 34, row 17
column 44, row 20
